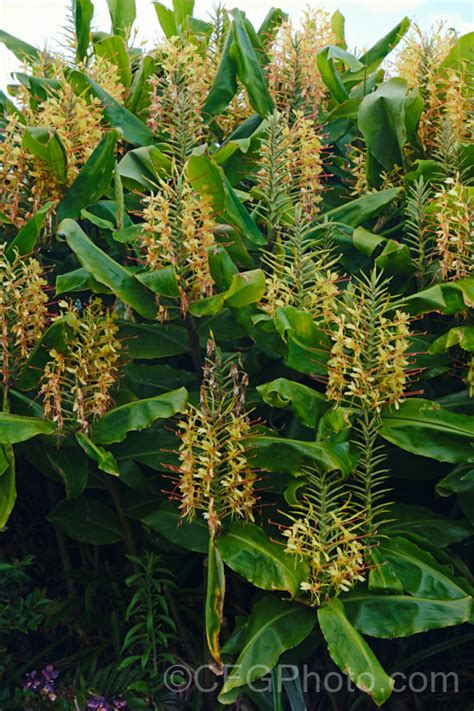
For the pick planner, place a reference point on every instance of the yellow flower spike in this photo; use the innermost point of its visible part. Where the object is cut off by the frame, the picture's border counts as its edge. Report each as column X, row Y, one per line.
column 454, row 230
column 214, row 475
column 76, row 385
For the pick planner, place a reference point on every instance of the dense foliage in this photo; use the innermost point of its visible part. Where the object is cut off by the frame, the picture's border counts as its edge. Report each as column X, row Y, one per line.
column 237, row 365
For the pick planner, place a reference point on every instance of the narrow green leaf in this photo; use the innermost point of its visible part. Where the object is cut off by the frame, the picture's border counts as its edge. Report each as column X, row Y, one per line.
column 22, row 50
column 104, row 460
column 83, row 12
column 7, row 484
column 114, row 50
column 25, row 240
column 45, row 144
column 122, row 14
column 307, row 404
column 214, row 610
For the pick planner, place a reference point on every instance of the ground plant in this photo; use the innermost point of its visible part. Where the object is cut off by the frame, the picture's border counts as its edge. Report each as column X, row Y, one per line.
column 236, row 366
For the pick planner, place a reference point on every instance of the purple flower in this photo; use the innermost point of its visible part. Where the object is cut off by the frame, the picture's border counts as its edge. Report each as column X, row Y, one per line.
column 43, row 683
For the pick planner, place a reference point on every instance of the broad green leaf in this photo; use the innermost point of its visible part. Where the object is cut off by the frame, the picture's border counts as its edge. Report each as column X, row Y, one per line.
column 247, row 550
column 382, row 577
column 166, row 19
column 248, row 66
column 55, row 337
column 271, row 23
column 143, row 167
column 71, row 467
column 114, row 50
column 356, row 212
column 15, row 428
column 381, row 121
column 79, row 280
column 122, row 14
column 376, row 54
column 138, row 415
column 7, row 483
column 419, row 572
column 448, row 298
column 388, row 254
column 87, row 520
column 83, row 12
column 25, row 240
column 154, row 341
column 224, row 86
column 209, row 178
column 214, row 610
column 280, row 454
column 107, row 271
column 330, row 74
column 45, row 144
column 460, row 55
column 308, row 346
column 245, row 288
column 338, row 27
column 162, row 282
column 307, row 404
column 22, row 50
column 193, row 536
column 134, row 130
column 274, row 626
column 423, row 427
column 389, row 616
column 461, row 482
column 352, row 654
column 462, row 336
column 423, row 525
column 104, row 460
column 93, row 179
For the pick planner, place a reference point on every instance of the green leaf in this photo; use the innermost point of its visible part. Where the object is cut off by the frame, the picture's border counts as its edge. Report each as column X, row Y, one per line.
column 25, row 240
column 93, row 179
column 122, row 14
column 352, row 654
column 279, row 454
column 224, row 86
column 423, row 427
column 462, row 336
column 157, row 341
column 376, row 54
column 461, row 482
column 424, row 526
column 330, row 74
column 448, row 298
column 138, row 415
column 274, row 626
column 356, row 212
column 104, row 460
column 114, row 50
column 460, row 54
column 7, row 483
column 338, row 27
column 209, row 179
column 389, row 616
column 248, row 66
column 134, row 130
column 245, row 288
column 45, row 144
column 83, row 12
column 388, row 254
column 22, row 50
column 55, row 336
column 107, row 271
column 162, row 282
column 247, row 550
column 381, row 121
column 193, row 536
column 382, row 577
column 419, row 572
column 215, row 594
column 15, row 428
column 143, row 167
column 79, row 280
column 71, row 467
column 307, row 345
column 166, row 19
column 307, row 404
column 87, row 520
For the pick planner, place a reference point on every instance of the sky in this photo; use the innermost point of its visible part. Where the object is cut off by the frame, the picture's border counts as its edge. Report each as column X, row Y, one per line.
column 39, row 22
